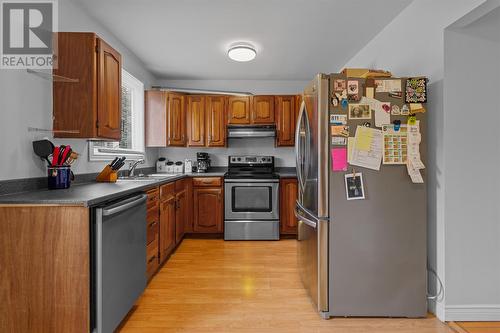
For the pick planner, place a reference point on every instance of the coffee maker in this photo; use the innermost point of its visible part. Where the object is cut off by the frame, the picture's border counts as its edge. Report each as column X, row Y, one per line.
column 203, row 161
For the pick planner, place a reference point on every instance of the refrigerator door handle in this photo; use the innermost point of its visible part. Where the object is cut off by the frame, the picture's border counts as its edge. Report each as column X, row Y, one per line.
column 301, row 214
column 304, row 219
column 297, row 157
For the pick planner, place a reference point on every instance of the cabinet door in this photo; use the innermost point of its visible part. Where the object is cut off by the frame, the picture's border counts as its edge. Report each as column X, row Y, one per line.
column 216, row 121
column 285, row 120
column 109, row 86
column 167, row 227
column 288, row 196
column 238, row 110
column 156, row 118
column 195, row 121
column 207, row 210
column 180, row 214
column 263, row 110
column 176, row 126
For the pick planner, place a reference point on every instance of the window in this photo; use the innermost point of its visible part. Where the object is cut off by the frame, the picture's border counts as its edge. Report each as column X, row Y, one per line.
column 131, row 144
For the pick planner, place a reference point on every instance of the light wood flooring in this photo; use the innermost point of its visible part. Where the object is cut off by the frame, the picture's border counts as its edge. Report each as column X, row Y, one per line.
column 476, row 327
column 216, row 286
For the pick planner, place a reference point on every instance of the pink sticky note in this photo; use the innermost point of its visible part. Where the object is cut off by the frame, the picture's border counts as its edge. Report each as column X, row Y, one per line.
column 339, row 159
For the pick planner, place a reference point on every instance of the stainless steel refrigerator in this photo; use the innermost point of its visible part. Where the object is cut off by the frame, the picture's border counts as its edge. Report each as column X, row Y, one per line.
column 358, row 257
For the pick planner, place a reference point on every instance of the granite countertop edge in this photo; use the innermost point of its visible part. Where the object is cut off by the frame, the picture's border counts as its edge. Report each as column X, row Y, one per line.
column 93, row 193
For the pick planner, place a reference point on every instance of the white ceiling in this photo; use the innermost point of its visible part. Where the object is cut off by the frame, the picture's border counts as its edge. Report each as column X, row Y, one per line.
column 188, row 39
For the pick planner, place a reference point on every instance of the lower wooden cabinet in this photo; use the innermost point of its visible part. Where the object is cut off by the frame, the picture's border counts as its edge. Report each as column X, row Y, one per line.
column 288, row 197
column 208, row 205
column 152, row 232
column 167, row 227
column 207, row 210
column 180, row 214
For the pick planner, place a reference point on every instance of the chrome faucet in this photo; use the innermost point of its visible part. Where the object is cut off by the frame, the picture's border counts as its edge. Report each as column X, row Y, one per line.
column 133, row 165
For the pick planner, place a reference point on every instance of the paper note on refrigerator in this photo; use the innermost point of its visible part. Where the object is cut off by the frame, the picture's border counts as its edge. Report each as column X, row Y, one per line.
column 382, row 117
column 414, row 173
column 367, row 150
column 339, row 159
column 350, row 146
column 414, row 138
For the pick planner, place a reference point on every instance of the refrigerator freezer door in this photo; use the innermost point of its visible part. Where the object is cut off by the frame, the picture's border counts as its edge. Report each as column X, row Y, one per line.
column 313, row 256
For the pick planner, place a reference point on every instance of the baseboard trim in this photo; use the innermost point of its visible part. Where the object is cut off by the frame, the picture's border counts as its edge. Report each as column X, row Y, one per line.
column 472, row 312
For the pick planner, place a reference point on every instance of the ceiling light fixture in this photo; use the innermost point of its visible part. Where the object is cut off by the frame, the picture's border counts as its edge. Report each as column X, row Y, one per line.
column 242, row 52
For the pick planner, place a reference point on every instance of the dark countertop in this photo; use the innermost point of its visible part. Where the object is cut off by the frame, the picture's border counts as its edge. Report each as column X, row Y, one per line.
column 93, row 193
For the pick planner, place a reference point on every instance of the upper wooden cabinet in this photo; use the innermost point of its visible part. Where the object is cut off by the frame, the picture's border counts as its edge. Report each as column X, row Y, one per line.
column 91, row 106
column 238, row 110
column 155, row 118
column 176, row 120
column 216, row 121
column 196, row 121
column 286, row 119
column 262, row 110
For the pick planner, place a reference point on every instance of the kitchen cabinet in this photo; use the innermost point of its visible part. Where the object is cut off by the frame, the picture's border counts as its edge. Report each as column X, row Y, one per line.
column 238, row 110
column 208, row 205
column 216, row 121
column 207, row 210
column 90, row 107
column 286, row 119
column 180, row 212
column 152, row 233
column 167, row 226
column 45, row 268
column 196, row 121
column 288, row 197
column 262, row 110
column 155, row 118
column 176, row 120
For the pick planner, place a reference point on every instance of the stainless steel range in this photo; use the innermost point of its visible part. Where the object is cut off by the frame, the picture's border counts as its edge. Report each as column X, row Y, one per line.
column 251, row 198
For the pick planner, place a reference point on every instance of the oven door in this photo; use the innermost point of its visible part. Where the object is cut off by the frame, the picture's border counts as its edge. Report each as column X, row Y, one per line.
column 251, row 199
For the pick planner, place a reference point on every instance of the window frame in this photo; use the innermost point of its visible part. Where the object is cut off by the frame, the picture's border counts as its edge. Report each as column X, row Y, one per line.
column 138, row 138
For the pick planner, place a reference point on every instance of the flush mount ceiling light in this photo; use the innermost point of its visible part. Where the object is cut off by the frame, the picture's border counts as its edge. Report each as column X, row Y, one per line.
column 242, row 52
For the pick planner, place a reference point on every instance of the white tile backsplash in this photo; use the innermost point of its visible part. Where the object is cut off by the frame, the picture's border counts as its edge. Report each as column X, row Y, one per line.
column 284, row 156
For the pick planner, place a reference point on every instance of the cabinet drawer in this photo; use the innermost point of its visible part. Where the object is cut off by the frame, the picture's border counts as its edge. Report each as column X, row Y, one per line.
column 152, row 260
column 166, row 191
column 152, row 214
column 153, row 198
column 207, row 181
column 152, row 232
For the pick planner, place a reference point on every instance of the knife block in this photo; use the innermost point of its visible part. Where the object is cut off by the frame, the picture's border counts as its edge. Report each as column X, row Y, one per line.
column 107, row 175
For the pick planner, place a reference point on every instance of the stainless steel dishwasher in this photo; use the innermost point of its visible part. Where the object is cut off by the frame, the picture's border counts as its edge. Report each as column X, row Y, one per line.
column 119, row 260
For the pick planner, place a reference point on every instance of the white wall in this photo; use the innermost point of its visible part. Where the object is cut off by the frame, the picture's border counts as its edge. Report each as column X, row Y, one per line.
column 284, row 156
column 26, row 100
column 413, row 44
column 472, row 210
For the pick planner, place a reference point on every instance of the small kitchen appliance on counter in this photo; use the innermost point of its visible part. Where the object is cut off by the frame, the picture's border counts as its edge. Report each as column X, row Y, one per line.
column 203, row 161
column 251, row 199
column 179, row 167
column 188, row 166
column 161, row 165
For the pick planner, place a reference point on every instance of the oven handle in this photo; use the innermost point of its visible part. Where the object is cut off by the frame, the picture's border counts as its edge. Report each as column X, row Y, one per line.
column 251, row 181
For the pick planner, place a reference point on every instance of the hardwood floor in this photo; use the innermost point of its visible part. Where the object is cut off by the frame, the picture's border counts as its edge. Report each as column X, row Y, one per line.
column 209, row 285
column 476, row 327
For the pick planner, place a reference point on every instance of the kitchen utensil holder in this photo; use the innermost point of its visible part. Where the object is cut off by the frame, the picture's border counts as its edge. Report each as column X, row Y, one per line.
column 59, row 177
column 107, row 175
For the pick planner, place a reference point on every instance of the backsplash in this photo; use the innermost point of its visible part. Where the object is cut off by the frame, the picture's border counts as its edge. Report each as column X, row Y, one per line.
column 284, row 156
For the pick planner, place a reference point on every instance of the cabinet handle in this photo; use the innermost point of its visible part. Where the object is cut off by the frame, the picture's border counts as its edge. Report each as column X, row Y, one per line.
column 153, row 224
column 151, row 259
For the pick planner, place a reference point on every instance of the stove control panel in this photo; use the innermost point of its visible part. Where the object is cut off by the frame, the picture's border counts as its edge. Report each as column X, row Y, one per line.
column 251, row 160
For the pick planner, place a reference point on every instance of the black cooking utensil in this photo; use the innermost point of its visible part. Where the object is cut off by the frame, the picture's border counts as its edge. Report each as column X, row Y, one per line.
column 43, row 149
